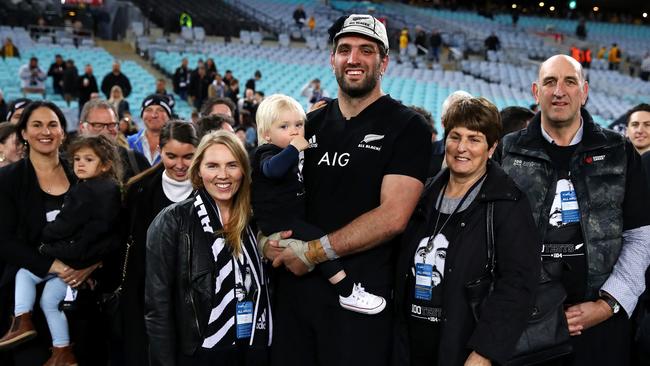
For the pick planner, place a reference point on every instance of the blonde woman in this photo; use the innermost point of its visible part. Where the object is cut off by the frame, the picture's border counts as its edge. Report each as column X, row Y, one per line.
column 117, row 100
column 206, row 292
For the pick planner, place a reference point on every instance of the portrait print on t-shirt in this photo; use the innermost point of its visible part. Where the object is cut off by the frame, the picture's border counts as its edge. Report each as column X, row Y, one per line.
column 429, row 261
column 564, row 240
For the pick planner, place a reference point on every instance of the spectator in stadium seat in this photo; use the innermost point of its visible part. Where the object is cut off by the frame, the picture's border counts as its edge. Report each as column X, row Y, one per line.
column 589, row 199
column 161, row 88
column 438, row 147
column 70, row 81
column 581, row 30
column 99, row 117
column 404, row 40
column 33, row 78
column 146, row 195
column 9, row 49
column 31, row 192
column 601, row 52
column 210, row 68
column 10, row 149
column 87, row 85
column 515, row 119
column 56, row 72
column 313, row 92
column 492, row 43
column 233, row 91
column 363, row 178
column 15, row 109
column 4, row 108
column 428, row 118
column 420, row 40
column 199, row 84
column 155, row 113
column 247, row 103
column 118, row 102
column 128, row 126
column 218, row 105
column 638, row 128
column 116, row 77
column 214, row 122
column 435, row 42
column 645, row 67
column 614, row 57
column 250, row 83
column 299, row 16
column 217, row 87
column 228, row 77
column 181, row 79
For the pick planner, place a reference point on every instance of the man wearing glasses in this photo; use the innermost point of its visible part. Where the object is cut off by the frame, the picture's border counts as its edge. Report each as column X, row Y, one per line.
column 98, row 117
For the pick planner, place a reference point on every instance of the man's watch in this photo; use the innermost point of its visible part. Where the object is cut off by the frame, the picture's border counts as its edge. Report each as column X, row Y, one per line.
column 610, row 300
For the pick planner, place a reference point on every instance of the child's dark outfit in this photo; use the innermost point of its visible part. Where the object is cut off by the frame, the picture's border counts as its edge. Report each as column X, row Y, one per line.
column 278, row 197
column 81, row 233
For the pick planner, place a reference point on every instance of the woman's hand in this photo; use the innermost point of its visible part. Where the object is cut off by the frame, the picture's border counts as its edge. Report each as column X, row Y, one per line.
column 475, row 359
column 271, row 248
column 58, row 267
column 76, row 277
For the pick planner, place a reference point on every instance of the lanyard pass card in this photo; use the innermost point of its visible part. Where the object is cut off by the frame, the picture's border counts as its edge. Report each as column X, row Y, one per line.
column 423, row 281
column 244, row 319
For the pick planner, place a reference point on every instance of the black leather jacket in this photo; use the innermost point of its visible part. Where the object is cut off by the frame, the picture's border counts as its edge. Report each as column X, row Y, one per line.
column 180, row 283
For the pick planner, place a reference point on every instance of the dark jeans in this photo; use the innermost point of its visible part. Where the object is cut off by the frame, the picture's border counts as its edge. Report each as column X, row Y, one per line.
column 311, row 328
column 239, row 355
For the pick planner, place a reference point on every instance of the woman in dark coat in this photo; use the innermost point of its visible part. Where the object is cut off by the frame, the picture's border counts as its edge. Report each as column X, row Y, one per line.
column 206, row 292
column 444, row 248
column 147, row 194
column 31, row 191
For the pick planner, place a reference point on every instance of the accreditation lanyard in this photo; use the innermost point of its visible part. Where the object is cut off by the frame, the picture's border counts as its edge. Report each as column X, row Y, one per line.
column 424, row 272
column 244, row 301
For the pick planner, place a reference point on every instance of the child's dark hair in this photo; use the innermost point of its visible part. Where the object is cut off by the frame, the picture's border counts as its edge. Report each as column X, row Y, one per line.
column 105, row 149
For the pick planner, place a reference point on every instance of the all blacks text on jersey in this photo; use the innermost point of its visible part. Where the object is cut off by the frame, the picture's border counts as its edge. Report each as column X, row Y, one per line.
column 370, row 142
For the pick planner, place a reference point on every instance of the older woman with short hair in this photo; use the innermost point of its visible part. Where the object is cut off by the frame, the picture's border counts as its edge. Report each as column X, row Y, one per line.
column 445, row 247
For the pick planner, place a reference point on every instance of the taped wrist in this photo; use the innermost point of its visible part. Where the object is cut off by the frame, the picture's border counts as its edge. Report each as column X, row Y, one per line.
column 320, row 250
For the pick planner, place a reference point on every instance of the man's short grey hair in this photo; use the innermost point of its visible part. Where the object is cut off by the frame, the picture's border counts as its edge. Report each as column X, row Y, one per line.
column 96, row 104
column 453, row 98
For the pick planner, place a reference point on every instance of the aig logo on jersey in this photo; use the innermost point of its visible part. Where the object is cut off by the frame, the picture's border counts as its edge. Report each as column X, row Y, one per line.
column 371, row 141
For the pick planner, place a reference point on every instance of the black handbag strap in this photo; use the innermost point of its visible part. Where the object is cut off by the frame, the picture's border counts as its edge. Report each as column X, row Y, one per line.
column 491, row 255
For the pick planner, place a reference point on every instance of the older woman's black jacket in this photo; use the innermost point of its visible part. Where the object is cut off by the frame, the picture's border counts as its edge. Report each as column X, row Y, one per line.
column 22, row 219
column 517, row 270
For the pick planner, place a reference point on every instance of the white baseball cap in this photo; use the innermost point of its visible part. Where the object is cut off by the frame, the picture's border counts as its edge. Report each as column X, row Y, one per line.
column 366, row 25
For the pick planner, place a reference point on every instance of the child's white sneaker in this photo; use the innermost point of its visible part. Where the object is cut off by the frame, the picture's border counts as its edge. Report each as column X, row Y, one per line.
column 363, row 302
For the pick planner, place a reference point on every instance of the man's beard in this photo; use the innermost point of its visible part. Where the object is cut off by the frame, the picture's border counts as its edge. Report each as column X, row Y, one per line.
column 366, row 86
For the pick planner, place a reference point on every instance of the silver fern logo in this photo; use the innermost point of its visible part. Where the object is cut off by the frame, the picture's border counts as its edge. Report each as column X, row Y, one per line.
column 365, row 143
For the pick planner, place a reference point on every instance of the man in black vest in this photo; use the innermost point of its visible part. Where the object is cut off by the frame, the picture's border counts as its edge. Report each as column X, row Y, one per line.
column 589, row 196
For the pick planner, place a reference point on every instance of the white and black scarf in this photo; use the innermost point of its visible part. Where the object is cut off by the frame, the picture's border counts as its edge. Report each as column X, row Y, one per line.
column 221, row 328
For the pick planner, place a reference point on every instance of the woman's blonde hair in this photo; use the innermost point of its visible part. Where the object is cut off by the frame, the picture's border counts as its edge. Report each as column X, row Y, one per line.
column 240, row 212
column 115, row 88
column 269, row 111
